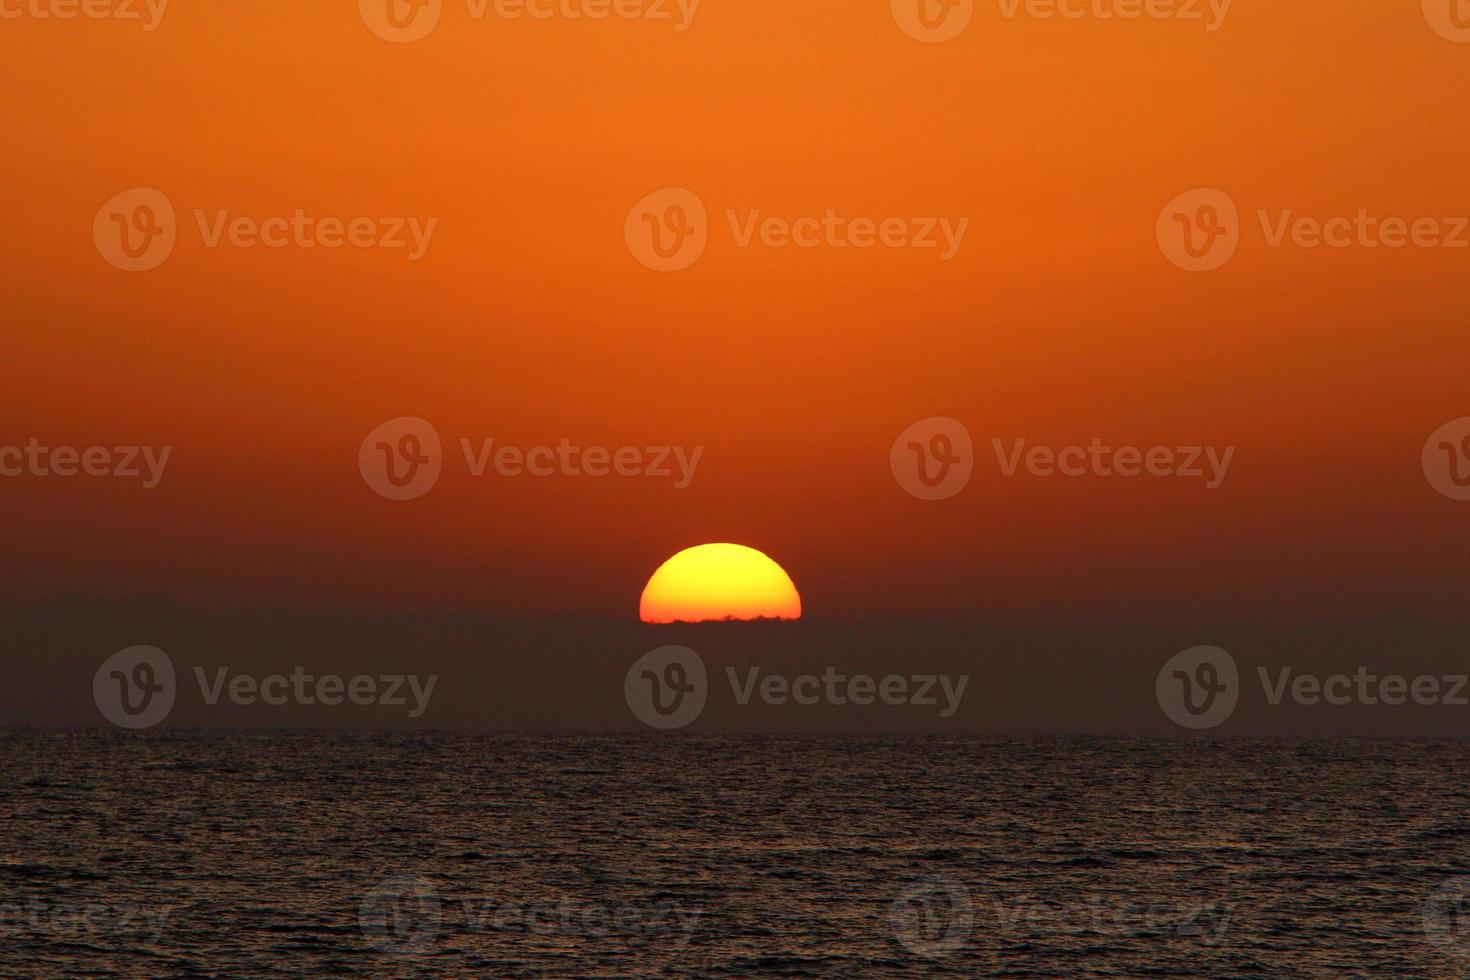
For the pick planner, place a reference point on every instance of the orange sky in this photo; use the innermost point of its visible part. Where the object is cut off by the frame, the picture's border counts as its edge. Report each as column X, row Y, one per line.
column 528, row 320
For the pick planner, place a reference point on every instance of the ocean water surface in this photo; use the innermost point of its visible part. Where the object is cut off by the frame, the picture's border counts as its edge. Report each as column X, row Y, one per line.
column 194, row 853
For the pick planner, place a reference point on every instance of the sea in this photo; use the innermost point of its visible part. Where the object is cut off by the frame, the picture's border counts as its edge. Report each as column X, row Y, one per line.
column 194, row 853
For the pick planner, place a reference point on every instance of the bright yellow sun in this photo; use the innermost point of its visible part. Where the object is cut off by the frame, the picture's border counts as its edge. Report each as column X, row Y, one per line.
column 719, row 581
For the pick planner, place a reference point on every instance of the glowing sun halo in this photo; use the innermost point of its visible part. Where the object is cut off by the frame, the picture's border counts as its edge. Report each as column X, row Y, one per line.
column 719, row 581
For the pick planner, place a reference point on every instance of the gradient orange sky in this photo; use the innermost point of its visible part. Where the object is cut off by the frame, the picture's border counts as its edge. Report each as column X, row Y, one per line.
column 528, row 320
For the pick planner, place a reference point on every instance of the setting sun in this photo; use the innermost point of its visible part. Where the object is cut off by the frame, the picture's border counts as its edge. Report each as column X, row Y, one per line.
column 717, row 582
